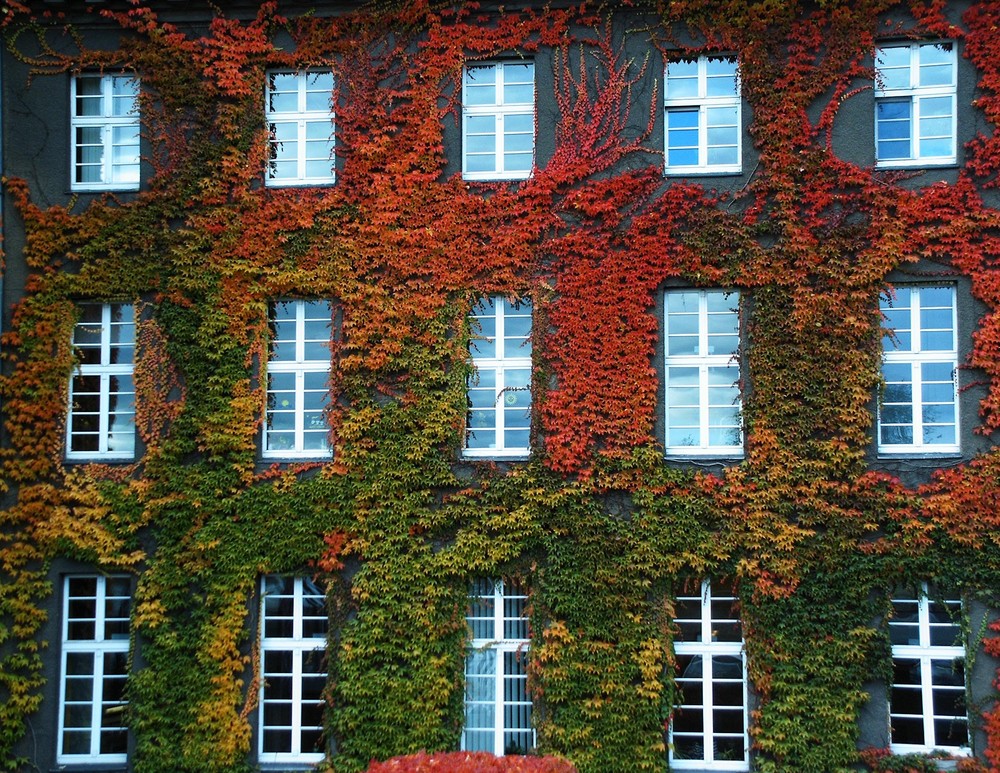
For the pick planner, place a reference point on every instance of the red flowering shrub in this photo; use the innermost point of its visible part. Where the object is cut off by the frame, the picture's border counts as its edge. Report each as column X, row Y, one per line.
column 470, row 762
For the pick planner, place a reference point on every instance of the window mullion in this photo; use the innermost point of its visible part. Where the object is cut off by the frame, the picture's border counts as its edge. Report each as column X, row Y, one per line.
column 104, row 417
column 296, row 718
column 97, row 698
column 703, row 409
column 300, row 414
column 498, row 684
column 917, row 397
column 927, row 699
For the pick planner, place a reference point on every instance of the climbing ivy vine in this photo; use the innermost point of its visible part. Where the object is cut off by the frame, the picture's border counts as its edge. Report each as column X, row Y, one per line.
column 605, row 530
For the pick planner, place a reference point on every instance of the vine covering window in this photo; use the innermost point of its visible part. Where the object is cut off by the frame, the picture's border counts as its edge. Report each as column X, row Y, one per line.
column 101, row 422
column 105, row 131
column 293, row 653
column 703, row 116
column 95, row 658
column 298, row 380
column 500, row 391
column 498, row 120
column 927, row 704
column 703, row 403
column 918, row 411
column 300, row 122
column 915, row 96
column 708, row 730
column 497, row 704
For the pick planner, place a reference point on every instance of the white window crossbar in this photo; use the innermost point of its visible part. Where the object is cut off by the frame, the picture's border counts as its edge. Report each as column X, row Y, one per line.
column 497, row 704
column 702, row 373
column 94, row 667
column 294, row 625
column 915, row 104
column 101, row 418
column 927, row 702
column 105, row 132
column 918, row 409
column 298, row 380
column 708, row 730
column 498, row 120
column 703, row 127
column 499, row 418
column 300, row 121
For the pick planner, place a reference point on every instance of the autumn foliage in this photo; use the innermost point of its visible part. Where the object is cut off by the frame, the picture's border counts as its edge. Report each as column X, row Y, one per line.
column 812, row 529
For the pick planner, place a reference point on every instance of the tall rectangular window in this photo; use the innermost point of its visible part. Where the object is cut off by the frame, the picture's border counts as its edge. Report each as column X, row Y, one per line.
column 703, row 121
column 105, row 130
column 918, row 412
column 703, row 404
column 298, row 380
column 293, row 675
column 499, row 421
column 101, row 421
column 498, row 120
column 94, row 667
column 915, row 104
column 927, row 707
column 708, row 730
column 301, row 124
column 497, row 704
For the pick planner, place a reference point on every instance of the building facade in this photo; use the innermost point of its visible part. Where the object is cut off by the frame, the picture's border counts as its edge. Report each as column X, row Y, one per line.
column 614, row 381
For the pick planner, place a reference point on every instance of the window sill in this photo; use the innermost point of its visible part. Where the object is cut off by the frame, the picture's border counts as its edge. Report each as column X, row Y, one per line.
column 710, row 456
column 491, row 177
column 279, row 185
column 703, row 171
column 295, row 458
column 105, row 189
column 92, row 459
column 496, row 456
column 903, row 455
column 917, row 163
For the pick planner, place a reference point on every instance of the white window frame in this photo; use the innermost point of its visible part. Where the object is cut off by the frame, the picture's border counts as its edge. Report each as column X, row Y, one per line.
column 918, row 97
column 513, row 354
column 918, row 360
column 703, row 104
column 708, row 647
column 933, row 617
column 304, row 120
column 503, row 605
column 502, row 112
column 99, row 646
column 707, row 362
column 301, row 369
column 304, row 650
column 110, row 121
column 120, row 318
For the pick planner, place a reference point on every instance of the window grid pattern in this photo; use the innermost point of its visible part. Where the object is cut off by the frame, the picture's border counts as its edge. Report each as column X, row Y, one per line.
column 915, row 104
column 298, row 380
column 499, row 420
column 294, row 625
column 703, row 116
column 300, row 121
column 709, row 727
column 105, row 131
column 927, row 704
column 94, row 667
column 498, row 120
column 918, row 411
column 703, row 404
column 497, row 704
column 101, row 421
